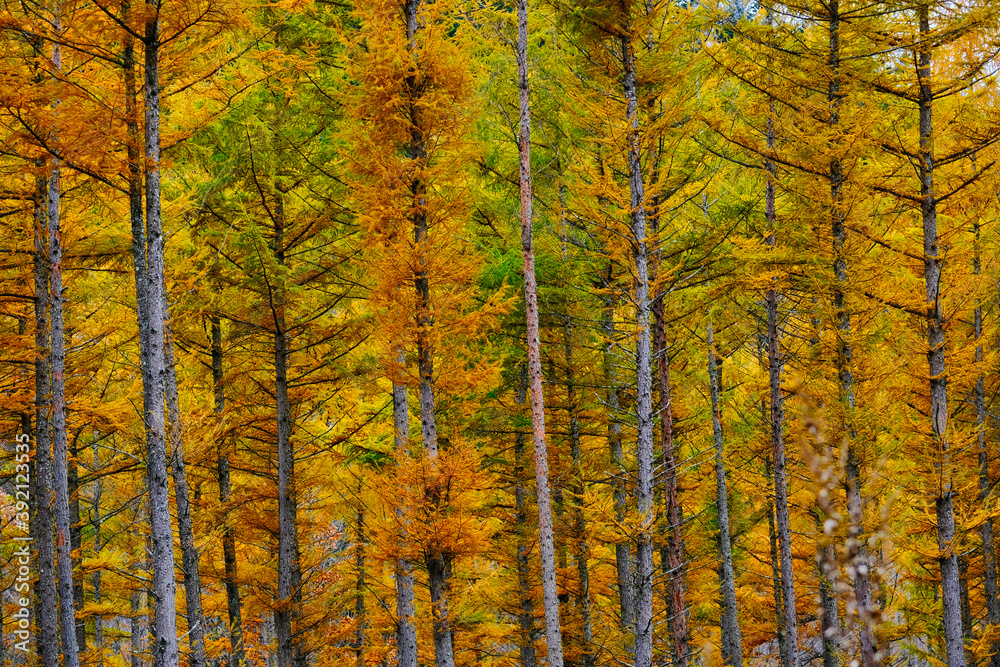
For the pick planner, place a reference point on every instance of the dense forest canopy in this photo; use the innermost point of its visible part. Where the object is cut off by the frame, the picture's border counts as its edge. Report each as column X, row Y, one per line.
column 450, row 332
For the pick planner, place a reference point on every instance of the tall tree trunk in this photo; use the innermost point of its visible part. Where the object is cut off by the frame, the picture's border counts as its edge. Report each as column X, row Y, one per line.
column 772, row 541
column 644, row 377
column 963, row 574
column 185, row 528
column 60, row 450
column 986, row 530
column 42, row 526
column 359, row 588
column 406, row 632
column 147, row 250
column 857, row 549
column 623, row 555
column 96, row 579
column 526, row 614
column 233, row 605
column 826, row 565
column 672, row 551
column 938, row 379
column 582, row 551
column 732, row 639
column 546, row 539
column 774, row 366
column 438, row 560
column 289, row 575
column 76, row 543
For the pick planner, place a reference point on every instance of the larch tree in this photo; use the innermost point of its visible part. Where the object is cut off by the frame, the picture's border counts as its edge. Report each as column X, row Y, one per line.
column 550, row 595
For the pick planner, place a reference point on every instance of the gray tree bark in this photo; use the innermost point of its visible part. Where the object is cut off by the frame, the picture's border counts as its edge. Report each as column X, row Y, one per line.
column 147, row 252
column 644, row 375
column 76, row 543
column 526, row 613
column 438, row 560
column 230, row 580
column 60, row 448
column 775, row 568
column 985, row 483
column 546, row 540
column 937, row 369
column 581, row 549
column 289, row 575
column 42, row 526
column 774, row 366
column 859, row 568
column 185, row 528
column 732, row 638
column 406, row 632
column 96, row 579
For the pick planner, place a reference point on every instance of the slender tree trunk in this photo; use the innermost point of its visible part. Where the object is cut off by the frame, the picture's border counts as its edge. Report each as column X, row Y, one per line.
column 546, row 540
column 672, row 552
column 406, row 632
column 582, row 551
column 43, row 524
column 526, row 615
column 963, row 573
column 644, row 397
column 775, row 568
column 230, row 580
column 938, row 378
column 826, row 563
column 185, row 528
column 60, row 450
column 986, row 530
column 76, row 542
column 289, row 577
column 774, row 366
column 732, row 639
column 149, row 280
column 96, row 579
column 623, row 556
column 136, row 629
column 359, row 589
column 857, row 549
column 438, row 560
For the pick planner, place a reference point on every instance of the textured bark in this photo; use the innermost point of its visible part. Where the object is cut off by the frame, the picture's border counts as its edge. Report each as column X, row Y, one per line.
column 623, row 555
column 859, row 568
column 774, row 368
column 526, row 613
column 732, row 639
column 136, row 643
column 185, row 528
column 830, row 623
column 580, row 547
column 289, row 576
column 149, row 269
column 359, row 589
column 230, row 580
column 60, row 448
column 42, row 527
column 546, row 544
column 963, row 577
column 438, row 560
column 937, row 371
column 775, row 568
column 783, row 529
column 96, row 579
column 672, row 544
column 76, row 543
column 644, row 396
column 986, row 530
column 406, row 632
